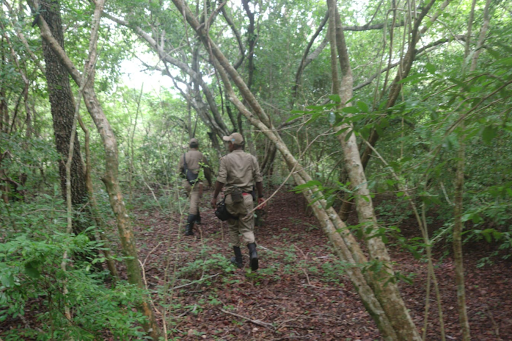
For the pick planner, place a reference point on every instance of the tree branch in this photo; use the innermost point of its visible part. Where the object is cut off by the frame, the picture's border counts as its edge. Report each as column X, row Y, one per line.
column 303, row 63
column 241, row 47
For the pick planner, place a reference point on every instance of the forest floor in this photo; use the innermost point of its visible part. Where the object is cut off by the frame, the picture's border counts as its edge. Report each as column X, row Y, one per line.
column 300, row 291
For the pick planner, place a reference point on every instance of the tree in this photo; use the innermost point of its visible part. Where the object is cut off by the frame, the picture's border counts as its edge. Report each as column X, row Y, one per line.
column 372, row 289
column 63, row 109
column 110, row 179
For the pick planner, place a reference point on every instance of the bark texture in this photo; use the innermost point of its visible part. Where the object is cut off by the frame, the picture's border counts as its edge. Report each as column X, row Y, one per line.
column 62, row 109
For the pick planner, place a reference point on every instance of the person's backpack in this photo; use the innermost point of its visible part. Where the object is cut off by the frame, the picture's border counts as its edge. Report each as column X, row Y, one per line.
column 189, row 175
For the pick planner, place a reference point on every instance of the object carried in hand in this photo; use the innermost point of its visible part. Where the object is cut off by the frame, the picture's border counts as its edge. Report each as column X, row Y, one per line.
column 222, row 211
column 189, row 175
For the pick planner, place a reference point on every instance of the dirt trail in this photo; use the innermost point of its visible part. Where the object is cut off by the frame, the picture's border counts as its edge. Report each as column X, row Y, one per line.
column 300, row 292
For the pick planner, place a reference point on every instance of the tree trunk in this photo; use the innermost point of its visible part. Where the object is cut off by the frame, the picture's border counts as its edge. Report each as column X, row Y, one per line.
column 269, row 158
column 404, row 67
column 4, row 109
column 62, row 109
column 110, row 179
column 458, row 225
column 384, row 285
column 94, row 206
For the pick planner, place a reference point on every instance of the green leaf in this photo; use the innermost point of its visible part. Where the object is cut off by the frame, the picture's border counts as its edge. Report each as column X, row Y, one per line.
column 459, row 83
column 430, row 68
column 505, row 61
column 342, row 130
column 349, row 134
column 390, row 182
column 412, row 79
column 488, row 133
column 351, row 110
column 31, row 270
column 297, row 111
column 7, row 280
column 294, row 117
column 307, row 185
column 488, row 233
column 315, row 107
column 335, row 98
column 363, row 106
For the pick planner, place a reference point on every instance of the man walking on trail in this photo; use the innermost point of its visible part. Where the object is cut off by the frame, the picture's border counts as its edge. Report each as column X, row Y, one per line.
column 238, row 172
column 192, row 161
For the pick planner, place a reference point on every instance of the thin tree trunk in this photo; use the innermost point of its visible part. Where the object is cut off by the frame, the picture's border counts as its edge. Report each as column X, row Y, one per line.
column 388, row 294
column 268, row 162
column 94, row 205
column 458, row 225
column 404, row 67
column 457, row 241
column 304, row 61
column 213, row 121
column 4, row 109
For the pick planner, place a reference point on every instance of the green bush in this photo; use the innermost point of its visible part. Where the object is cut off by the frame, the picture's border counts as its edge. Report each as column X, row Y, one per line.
column 32, row 280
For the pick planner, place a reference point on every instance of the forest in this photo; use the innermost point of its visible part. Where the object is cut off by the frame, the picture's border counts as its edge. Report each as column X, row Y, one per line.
column 382, row 131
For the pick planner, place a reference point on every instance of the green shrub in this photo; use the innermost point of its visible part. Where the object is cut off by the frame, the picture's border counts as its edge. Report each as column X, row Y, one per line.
column 33, row 281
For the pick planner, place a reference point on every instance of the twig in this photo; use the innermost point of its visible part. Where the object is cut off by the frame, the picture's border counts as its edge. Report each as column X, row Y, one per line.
column 305, row 258
column 257, row 322
column 146, row 286
column 150, row 252
column 283, row 324
column 249, row 215
column 152, row 192
column 494, row 324
column 194, row 282
column 446, row 194
column 307, row 277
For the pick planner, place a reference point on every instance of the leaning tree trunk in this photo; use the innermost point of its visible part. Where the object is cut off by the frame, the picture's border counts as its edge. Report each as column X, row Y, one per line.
column 110, row 178
column 62, row 109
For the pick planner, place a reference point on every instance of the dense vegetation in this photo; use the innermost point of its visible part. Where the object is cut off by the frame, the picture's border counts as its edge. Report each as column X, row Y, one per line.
column 429, row 117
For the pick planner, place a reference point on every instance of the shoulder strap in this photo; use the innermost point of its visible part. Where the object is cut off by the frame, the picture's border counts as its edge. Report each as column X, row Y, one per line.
column 185, row 161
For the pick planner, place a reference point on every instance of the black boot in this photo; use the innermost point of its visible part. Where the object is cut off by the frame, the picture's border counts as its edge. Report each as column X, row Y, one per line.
column 237, row 260
column 190, row 225
column 198, row 218
column 253, row 256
